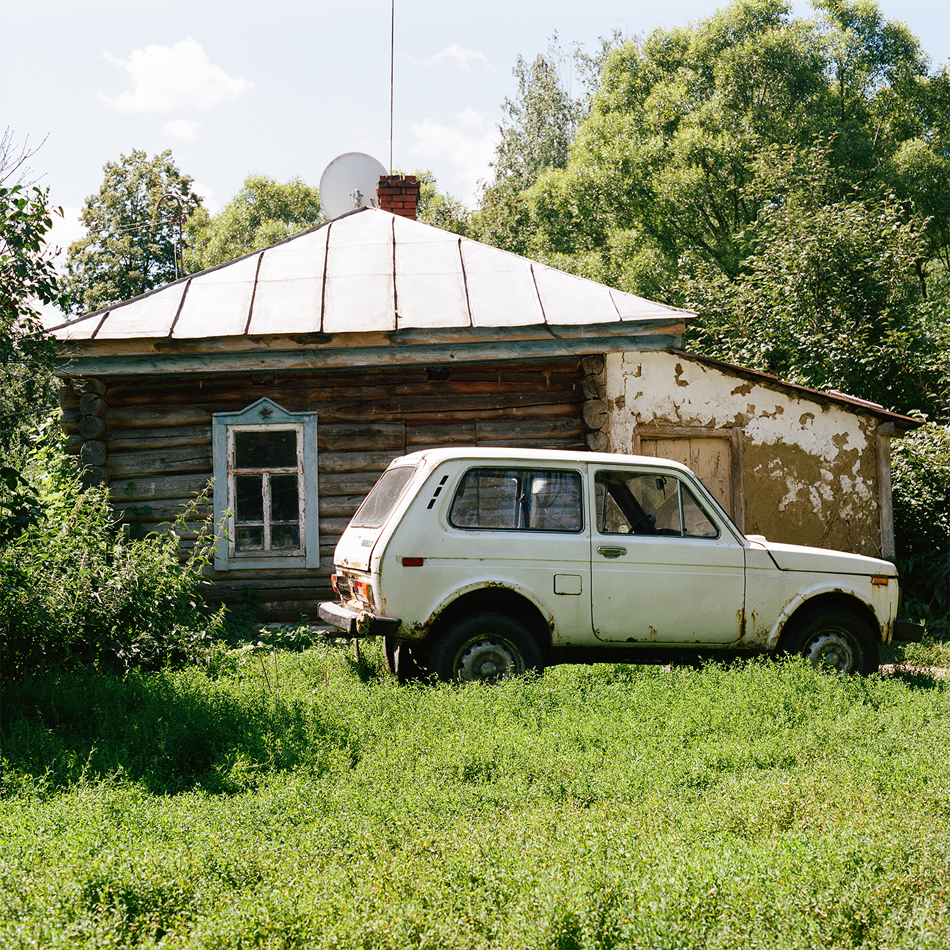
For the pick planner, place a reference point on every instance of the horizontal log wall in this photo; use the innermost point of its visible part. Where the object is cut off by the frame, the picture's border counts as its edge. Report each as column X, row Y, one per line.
column 156, row 439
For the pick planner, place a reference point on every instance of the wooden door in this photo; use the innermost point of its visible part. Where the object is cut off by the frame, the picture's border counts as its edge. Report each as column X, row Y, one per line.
column 710, row 457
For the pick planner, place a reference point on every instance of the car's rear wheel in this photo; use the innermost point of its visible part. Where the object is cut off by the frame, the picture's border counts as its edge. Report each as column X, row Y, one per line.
column 836, row 639
column 485, row 648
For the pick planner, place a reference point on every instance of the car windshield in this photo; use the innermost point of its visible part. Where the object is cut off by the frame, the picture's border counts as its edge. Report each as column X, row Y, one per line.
column 379, row 503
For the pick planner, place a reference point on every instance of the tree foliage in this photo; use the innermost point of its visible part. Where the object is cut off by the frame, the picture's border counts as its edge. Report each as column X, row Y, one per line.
column 785, row 176
column 27, row 278
column 536, row 135
column 664, row 162
column 439, row 209
column 539, row 122
column 262, row 213
column 921, row 464
column 829, row 294
column 27, row 274
column 132, row 234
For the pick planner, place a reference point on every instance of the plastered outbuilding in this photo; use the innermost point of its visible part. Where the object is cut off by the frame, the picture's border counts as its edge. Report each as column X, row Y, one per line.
column 787, row 462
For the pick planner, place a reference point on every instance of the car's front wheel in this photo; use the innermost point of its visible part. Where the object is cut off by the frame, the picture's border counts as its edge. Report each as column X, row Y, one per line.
column 836, row 639
column 485, row 648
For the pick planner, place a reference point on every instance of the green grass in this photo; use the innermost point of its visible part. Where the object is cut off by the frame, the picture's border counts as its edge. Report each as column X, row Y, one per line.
column 306, row 801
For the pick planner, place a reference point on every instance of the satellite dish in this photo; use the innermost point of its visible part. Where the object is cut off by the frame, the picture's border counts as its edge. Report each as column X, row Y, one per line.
column 349, row 182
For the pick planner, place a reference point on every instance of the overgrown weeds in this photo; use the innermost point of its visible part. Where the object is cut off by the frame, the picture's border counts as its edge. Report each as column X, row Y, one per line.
column 755, row 805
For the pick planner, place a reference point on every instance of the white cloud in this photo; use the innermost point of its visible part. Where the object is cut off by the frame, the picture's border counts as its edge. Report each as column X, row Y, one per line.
column 463, row 58
column 467, row 146
column 184, row 129
column 173, row 78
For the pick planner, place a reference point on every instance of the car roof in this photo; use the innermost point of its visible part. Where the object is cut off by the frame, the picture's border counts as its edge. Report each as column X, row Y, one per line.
column 437, row 456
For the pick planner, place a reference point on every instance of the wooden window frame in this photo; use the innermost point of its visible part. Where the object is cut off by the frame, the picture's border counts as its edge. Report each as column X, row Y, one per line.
column 733, row 433
column 264, row 414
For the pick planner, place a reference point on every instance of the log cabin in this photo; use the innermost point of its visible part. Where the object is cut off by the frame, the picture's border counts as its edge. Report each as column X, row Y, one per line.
column 289, row 378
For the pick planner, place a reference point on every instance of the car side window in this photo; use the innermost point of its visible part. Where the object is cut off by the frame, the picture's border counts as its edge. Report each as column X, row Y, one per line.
column 648, row 503
column 518, row 500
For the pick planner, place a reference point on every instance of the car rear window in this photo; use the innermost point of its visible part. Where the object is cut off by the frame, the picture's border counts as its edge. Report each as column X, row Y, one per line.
column 514, row 499
column 379, row 503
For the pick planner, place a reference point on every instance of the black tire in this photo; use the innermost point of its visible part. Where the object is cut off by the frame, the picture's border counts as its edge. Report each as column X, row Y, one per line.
column 835, row 639
column 485, row 648
column 401, row 660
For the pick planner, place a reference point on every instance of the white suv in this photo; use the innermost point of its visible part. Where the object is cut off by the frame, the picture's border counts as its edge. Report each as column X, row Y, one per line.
column 476, row 564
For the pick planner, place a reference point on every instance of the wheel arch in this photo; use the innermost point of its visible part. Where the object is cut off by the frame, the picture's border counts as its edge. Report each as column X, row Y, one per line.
column 495, row 598
column 827, row 600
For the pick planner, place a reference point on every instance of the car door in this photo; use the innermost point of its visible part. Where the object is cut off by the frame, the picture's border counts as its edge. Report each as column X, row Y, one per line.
column 513, row 524
column 665, row 568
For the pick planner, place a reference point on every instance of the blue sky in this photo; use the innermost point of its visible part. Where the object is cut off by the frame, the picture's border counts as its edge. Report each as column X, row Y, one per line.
column 281, row 87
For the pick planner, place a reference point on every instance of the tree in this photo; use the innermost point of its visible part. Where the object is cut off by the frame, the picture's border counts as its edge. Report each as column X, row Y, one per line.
column 536, row 136
column 132, row 235
column 438, row 209
column 262, row 213
column 658, row 174
column 27, row 273
column 27, row 278
column 539, row 122
column 829, row 295
column 922, row 524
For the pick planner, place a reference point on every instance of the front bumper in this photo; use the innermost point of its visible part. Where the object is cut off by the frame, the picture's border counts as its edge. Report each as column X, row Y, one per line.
column 356, row 623
column 907, row 632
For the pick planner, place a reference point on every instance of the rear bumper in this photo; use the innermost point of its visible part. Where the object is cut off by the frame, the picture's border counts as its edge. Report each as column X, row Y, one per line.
column 907, row 632
column 356, row 623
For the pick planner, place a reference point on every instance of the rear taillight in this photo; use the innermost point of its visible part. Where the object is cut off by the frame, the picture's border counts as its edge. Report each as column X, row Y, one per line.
column 363, row 592
column 342, row 585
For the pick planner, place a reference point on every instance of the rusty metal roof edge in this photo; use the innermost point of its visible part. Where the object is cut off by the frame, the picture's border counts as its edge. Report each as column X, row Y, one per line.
column 854, row 403
column 403, row 338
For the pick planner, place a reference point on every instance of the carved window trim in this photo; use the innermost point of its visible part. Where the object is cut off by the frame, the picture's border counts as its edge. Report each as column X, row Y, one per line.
column 264, row 414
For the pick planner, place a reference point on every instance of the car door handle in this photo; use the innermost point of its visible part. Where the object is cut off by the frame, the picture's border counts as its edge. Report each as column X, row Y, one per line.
column 611, row 552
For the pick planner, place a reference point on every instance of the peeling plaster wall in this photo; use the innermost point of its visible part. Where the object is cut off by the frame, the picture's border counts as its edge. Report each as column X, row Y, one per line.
column 809, row 468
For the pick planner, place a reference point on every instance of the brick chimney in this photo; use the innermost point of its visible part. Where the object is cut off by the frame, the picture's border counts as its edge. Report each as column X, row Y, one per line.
column 398, row 194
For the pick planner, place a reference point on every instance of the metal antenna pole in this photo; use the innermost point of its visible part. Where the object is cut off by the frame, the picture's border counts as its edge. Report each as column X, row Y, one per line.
column 392, row 72
column 181, row 219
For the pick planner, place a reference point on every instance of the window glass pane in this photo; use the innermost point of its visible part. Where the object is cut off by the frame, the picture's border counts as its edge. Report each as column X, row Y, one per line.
column 487, row 498
column 284, row 498
column 265, row 448
column 698, row 524
column 285, row 537
column 660, row 498
column 249, row 503
column 648, row 503
column 555, row 501
column 379, row 503
column 249, row 539
column 511, row 499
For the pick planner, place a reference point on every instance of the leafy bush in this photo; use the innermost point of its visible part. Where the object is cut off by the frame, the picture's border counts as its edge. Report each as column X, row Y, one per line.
column 75, row 590
column 921, row 464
